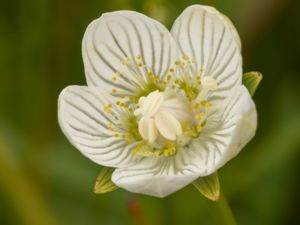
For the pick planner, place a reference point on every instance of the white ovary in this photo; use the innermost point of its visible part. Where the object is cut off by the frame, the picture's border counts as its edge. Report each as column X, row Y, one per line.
column 161, row 114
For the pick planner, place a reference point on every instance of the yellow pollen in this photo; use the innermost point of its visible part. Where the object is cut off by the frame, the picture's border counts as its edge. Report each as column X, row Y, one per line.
column 114, row 78
column 118, row 73
column 206, row 103
column 126, row 61
column 196, row 105
column 169, row 77
column 199, row 127
column 200, row 115
column 116, row 135
column 185, row 57
column 177, row 63
column 171, row 70
column 114, row 91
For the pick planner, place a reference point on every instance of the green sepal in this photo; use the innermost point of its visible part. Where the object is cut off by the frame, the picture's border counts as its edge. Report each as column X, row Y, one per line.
column 251, row 81
column 209, row 186
column 103, row 183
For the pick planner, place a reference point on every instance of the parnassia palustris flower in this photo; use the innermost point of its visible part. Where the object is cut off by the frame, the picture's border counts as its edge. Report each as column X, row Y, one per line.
column 163, row 108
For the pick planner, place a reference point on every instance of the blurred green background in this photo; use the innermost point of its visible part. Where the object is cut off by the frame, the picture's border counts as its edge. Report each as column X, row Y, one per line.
column 45, row 181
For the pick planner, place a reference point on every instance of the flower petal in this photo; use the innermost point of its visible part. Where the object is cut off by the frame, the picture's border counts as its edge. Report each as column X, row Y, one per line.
column 130, row 44
column 86, row 125
column 155, row 176
column 210, row 39
column 226, row 132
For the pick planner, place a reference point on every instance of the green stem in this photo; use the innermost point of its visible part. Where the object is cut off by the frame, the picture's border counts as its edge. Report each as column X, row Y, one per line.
column 222, row 212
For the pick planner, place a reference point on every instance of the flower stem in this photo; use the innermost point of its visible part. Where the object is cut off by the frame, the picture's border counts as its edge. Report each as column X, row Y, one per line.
column 222, row 212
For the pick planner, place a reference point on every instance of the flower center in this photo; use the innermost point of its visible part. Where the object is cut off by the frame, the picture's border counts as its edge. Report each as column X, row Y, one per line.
column 161, row 115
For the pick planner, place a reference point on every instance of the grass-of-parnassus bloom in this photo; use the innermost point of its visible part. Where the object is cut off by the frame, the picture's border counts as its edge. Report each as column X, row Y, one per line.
column 162, row 107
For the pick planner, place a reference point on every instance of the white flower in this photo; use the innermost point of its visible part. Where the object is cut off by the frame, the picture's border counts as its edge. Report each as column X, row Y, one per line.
column 163, row 108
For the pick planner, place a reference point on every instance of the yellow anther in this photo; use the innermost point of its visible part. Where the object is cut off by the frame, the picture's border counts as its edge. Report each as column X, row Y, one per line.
column 177, row 63
column 141, row 64
column 152, row 77
column 114, row 78
column 169, row 144
column 192, row 133
column 185, row 126
column 118, row 102
column 114, row 91
column 169, row 77
column 118, row 73
column 176, row 81
column 185, row 57
column 196, row 105
column 107, row 108
column 116, row 135
column 199, row 127
column 200, row 115
column 123, row 136
column 138, row 148
column 201, row 69
column 126, row 61
column 198, row 78
column 138, row 57
column 157, row 153
column 206, row 103
column 172, row 70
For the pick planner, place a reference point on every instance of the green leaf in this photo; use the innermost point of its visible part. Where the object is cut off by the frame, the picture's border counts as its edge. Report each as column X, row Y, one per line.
column 209, row 186
column 103, row 183
column 251, row 81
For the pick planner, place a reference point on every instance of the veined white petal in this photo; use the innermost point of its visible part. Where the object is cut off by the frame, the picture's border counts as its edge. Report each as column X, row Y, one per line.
column 208, row 37
column 167, row 125
column 147, row 129
column 127, row 43
column 226, row 132
column 155, row 176
column 86, row 125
